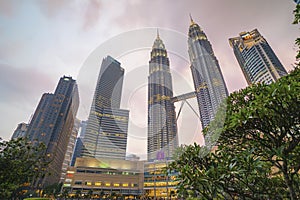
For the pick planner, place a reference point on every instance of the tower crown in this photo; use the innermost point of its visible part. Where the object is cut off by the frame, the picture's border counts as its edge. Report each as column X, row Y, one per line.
column 195, row 31
column 192, row 21
column 158, row 43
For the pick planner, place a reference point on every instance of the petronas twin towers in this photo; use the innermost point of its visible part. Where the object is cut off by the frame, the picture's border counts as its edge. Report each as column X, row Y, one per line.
column 107, row 127
column 210, row 90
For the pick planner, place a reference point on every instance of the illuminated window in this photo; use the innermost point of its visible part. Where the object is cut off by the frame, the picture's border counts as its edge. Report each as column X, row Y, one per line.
column 116, row 184
column 125, row 184
column 68, row 180
column 107, row 184
column 70, row 175
column 88, row 183
column 161, row 184
column 97, row 183
column 148, row 184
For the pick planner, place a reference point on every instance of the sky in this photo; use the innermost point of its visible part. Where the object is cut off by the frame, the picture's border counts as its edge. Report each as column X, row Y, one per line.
column 40, row 41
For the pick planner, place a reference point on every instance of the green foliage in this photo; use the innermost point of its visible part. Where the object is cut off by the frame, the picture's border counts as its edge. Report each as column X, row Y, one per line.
column 53, row 189
column 297, row 21
column 65, row 192
column 297, row 14
column 267, row 117
column 21, row 165
column 224, row 175
column 258, row 150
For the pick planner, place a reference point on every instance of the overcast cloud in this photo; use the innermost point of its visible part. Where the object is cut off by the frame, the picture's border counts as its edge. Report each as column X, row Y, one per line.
column 40, row 41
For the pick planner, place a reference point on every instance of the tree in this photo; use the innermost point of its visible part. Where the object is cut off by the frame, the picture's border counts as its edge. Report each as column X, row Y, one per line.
column 90, row 194
column 65, row 193
column 258, row 150
column 78, row 194
column 53, row 189
column 267, row 117
column 224, row 175
column 21, row 165
column 297, row 21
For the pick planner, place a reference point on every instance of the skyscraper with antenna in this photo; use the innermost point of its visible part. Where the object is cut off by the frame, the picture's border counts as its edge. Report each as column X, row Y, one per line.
column 162, row 127
column 208, row 80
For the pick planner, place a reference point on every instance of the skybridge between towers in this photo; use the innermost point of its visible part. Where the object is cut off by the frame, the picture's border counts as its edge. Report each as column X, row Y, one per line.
column 183, row 98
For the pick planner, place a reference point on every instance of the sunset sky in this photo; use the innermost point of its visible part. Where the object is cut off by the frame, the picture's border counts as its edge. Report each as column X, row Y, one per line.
column 40, row 41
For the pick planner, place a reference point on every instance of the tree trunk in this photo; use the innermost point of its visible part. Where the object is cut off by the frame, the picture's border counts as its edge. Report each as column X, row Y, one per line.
column 288, row 181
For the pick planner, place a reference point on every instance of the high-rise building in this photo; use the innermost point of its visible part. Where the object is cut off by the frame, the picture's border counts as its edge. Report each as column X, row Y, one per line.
column 162, row 127
column 106, row 131
column 79, row 142
column 70, row 149
column 20, row 131
column 256, row 58
column 207, row 76
column 52, row 124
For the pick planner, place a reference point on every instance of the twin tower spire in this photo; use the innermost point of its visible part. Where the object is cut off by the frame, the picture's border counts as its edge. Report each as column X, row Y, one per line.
column 209, row 87
column 192, row 22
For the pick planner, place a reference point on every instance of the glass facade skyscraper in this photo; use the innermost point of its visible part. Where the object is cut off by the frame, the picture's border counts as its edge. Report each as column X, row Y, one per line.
column 256, row 58
column 20, row 131
column 52, row 124
column 79, row 142
column 162, row 127
column 207, row 76
column 106, row 131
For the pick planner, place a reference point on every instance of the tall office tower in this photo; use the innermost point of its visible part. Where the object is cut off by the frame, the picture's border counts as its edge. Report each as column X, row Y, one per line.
column 207, row 76
column 79, row 142
column 70, row 149
column 162, row 127
column 106, row 131
column 20, row 131
column 256, row 58
column 52, row 124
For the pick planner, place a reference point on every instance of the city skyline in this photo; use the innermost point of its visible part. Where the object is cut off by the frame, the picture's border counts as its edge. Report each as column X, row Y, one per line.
column 274, row 23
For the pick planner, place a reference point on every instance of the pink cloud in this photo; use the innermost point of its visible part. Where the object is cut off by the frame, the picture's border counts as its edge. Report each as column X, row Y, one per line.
column 92, row 14
column 7, row 8
column 20, row 84
column 53, row 7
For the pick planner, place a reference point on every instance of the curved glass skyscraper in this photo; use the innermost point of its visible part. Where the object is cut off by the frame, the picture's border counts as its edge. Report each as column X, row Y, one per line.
column 162, row 127
column 207, row 76
column 106, row 131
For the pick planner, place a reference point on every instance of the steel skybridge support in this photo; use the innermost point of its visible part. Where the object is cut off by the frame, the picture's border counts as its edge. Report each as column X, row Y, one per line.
column 183, row 98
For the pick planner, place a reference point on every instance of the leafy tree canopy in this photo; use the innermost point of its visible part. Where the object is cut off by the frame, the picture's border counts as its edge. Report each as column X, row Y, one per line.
column 21, row 165
column 258, row 150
